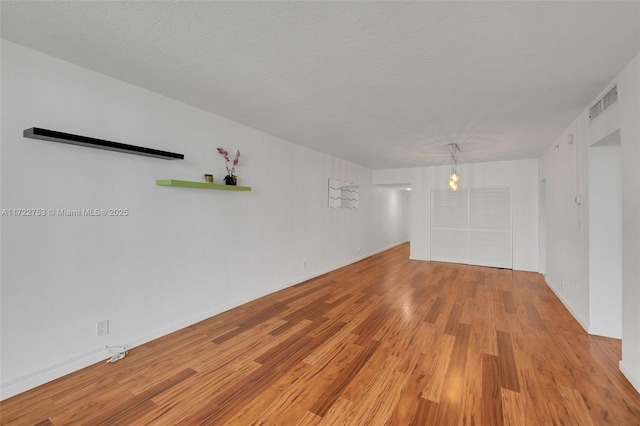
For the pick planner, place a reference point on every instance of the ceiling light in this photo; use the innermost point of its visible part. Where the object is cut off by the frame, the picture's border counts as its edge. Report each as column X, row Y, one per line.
column 454, row 177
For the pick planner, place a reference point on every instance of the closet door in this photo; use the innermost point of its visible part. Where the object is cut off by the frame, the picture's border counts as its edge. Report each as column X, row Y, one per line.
column 472, row 225
column 449, row 225
column 490, row 227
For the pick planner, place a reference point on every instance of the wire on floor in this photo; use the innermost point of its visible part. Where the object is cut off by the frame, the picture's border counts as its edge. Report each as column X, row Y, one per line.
column 118, row 352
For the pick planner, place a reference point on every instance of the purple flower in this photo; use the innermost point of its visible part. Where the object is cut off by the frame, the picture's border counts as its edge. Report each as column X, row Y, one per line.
column 236, row 160
column 224, row 153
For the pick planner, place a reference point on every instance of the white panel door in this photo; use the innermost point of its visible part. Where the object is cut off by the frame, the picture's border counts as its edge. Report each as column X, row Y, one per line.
column 449, row 225
column 472, row 226
column 490, row 227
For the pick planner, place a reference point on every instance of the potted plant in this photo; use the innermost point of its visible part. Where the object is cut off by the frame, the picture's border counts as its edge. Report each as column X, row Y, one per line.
column 230, row 178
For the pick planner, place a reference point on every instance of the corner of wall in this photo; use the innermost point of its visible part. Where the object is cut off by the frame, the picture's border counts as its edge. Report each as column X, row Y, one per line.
column 635, row 382
column 584, row 324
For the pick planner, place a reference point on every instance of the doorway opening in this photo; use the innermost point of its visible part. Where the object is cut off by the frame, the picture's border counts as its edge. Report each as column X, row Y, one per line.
column 605, row 237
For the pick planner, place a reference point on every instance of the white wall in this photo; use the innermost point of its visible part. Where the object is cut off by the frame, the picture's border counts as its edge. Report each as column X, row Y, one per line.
column 521, row 175
column 567, row 238
column 391, row 210
column 605, row 241
column 542, row 227
column 182, row 254
column 566, row 168
column 629, row 90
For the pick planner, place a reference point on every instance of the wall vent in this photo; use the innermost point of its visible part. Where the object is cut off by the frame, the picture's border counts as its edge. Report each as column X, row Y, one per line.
column 610, row 98
column 604, row 103
column 595, row 110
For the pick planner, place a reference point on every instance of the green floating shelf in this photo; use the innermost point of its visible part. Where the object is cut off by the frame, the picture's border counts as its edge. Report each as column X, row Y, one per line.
column 202, row 185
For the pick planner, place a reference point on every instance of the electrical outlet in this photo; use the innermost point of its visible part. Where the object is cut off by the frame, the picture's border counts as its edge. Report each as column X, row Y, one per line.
column 562, row 283
column 304, row 264
column 102, row 328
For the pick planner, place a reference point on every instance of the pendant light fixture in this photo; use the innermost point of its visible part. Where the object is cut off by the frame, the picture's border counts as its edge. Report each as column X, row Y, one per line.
column 453, row 176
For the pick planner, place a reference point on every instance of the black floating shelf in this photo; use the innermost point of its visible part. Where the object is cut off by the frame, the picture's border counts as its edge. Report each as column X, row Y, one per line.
column 53, row 136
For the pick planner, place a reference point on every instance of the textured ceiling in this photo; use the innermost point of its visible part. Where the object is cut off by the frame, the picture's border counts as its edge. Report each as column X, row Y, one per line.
column 382, row 84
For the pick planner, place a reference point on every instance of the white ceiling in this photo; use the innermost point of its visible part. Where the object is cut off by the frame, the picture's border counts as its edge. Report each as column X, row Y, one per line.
column 382, row 84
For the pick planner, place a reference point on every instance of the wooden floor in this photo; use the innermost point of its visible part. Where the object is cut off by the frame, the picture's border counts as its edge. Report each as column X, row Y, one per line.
column 383, row 341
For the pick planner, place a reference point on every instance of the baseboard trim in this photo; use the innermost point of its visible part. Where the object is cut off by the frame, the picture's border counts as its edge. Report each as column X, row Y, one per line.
column 584, row 324
column 53, row 372
column 630, row 377
column 316, row 274
column 525, row 269
column 40, row 377
column 595, row 331
column 613, row 334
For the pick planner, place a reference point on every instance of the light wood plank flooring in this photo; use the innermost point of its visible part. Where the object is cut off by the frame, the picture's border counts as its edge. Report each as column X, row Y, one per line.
column 384, row 341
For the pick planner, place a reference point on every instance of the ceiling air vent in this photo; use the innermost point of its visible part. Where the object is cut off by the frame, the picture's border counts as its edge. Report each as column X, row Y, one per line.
column 595, row 110
column 610, row 98
column 603, row 103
